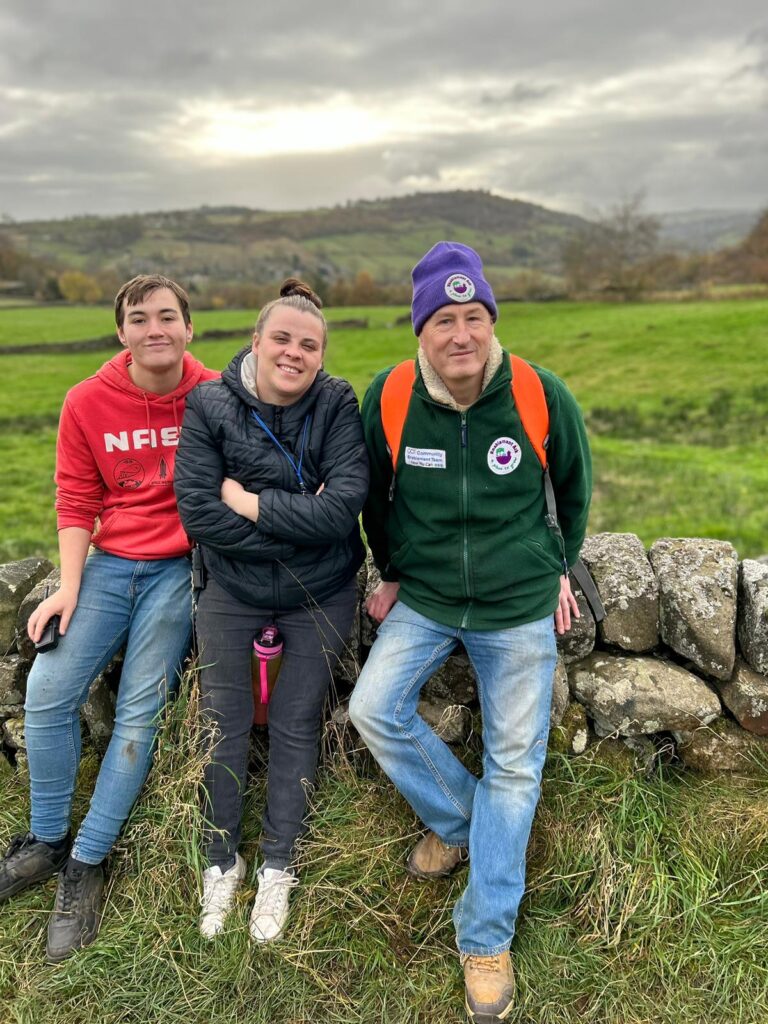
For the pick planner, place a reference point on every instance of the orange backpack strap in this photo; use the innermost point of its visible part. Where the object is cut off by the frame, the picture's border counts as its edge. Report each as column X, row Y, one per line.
column 395, row 399
column 531, row 403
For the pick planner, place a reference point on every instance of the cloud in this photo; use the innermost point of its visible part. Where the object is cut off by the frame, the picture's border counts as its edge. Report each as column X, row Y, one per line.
column 114, row 107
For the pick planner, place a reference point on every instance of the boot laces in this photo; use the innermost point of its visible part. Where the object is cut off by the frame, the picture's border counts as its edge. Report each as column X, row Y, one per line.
column 19, row 842
column 71, row 889
column 488, row 964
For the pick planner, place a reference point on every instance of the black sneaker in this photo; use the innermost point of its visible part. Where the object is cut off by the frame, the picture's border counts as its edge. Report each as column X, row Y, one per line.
column 77, row 913
column 28, row 861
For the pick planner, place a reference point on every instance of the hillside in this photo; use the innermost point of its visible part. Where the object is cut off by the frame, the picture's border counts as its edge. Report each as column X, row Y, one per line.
column 384, row 237
column 228, row 249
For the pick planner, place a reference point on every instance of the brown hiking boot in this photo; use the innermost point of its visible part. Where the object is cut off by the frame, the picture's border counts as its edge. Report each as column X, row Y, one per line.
column 431, row 858
column 490, row 987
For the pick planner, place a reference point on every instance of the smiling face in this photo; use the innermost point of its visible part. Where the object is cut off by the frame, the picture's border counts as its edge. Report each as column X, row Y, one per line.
column 155, row 334
column 456, row 340
column 289, row 354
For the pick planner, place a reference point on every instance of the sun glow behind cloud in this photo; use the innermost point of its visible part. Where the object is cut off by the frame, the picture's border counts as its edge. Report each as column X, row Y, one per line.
column 230, row 132
column 323, row 119
column 226, row 132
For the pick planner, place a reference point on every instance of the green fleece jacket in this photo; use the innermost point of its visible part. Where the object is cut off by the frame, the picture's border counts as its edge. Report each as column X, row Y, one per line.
column 463, row 528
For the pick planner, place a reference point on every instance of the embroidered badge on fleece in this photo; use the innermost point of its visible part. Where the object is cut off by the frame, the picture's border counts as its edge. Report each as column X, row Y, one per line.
column 425, row 458
column 504, row 456
column 459, row 288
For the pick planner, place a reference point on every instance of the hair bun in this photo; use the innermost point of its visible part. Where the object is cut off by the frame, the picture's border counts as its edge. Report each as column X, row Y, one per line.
column 293, row 286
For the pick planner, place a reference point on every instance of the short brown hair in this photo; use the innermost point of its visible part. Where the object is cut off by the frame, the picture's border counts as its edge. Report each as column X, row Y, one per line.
column 138, row 288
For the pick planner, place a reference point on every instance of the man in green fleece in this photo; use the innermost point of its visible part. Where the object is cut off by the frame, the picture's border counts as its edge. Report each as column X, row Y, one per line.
column 466, row 557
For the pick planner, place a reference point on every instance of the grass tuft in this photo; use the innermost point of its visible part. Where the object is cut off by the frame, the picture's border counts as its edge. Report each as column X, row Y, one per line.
column 647, row 901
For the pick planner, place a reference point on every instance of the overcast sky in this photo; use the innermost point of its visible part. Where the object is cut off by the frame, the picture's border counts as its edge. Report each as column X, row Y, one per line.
column 110, row 107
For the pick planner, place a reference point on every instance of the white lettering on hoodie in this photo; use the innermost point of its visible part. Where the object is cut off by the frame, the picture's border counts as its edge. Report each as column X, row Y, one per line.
column 145, row 438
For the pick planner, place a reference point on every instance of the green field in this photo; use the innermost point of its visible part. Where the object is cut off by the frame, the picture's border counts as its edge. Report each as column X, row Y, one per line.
column 647, row 897
column 34, row 325
column 675, row 396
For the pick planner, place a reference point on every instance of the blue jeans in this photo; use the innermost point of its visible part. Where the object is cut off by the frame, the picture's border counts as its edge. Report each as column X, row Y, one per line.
column 146, row 607
column 492, row 815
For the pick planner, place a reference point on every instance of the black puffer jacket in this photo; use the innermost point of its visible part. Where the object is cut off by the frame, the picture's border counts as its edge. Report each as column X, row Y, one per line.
column 304, row 546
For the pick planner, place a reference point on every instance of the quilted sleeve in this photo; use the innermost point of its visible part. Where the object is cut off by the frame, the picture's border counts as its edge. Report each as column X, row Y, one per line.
column 198, row 477
column 319, row 519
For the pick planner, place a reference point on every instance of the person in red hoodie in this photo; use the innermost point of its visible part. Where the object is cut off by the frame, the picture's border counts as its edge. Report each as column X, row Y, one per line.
column 115, row 454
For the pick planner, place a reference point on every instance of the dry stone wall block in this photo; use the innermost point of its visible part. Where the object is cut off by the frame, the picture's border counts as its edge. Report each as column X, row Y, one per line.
column 24, row 645
column 13, row 684
column 746, row 697
column 580, row 638
column 628, row 589
column 571, row 736
column 98, row 712
column 16, row 581
column 454, row 681
column 635, row 696
column 13, row 733
column 560, row 694
column 753, row 613
column 697, row 600
column 451, row 722
column 368, row 625
column 723, row 747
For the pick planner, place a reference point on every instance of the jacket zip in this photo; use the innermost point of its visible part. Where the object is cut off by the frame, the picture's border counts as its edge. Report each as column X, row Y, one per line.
column 465, row 519
column 275, row 588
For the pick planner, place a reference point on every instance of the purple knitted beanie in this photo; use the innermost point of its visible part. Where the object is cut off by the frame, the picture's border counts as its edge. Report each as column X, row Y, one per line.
column 449, row 273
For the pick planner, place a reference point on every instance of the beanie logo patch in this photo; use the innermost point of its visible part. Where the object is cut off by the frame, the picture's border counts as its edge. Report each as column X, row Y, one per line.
column 459, row 288
column 504, row 456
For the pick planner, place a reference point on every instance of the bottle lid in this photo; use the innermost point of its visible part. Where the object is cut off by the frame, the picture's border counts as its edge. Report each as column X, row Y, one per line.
column 268, row 637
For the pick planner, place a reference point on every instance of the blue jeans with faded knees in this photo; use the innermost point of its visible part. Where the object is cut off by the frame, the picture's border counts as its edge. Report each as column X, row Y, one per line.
column 492, row 815
column 146, row 607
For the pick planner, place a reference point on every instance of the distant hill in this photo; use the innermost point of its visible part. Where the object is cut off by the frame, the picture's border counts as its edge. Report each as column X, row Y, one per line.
column 384, row 237
column 216, row 246
column 705, row 230
column 749, row 259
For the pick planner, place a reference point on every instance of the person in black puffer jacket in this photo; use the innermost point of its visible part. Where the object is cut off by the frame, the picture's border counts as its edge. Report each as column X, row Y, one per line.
column 271, row 475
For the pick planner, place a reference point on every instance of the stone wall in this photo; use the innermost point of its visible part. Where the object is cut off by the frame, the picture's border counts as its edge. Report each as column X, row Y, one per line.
column 22, row 587
column 678, row 667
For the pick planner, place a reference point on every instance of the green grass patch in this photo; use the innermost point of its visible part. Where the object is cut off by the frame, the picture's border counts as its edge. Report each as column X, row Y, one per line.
column 677, row 490
column 35, row 325
column 647, row 901
column 42, row 324
column 675, row 398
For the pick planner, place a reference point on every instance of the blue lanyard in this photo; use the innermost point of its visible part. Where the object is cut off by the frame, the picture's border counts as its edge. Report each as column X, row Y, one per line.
column 296, row 468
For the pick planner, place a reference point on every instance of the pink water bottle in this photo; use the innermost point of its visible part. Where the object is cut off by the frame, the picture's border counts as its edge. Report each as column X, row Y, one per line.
column 266, row 657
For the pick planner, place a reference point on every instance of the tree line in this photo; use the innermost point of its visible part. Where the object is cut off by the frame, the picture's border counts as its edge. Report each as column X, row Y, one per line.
column 617, row 256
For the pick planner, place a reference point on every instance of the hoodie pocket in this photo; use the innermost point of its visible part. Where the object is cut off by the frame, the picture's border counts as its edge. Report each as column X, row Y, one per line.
column 142, row 535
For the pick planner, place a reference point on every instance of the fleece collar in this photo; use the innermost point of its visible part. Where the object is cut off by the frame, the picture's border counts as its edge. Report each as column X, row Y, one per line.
column 248, row 374
column 436, row 386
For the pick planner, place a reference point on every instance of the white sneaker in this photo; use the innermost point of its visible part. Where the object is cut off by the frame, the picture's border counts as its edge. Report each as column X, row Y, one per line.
column 270, row 908
column 219, row 888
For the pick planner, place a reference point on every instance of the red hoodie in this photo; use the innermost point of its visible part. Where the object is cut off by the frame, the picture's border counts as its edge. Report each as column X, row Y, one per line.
column 115, row 456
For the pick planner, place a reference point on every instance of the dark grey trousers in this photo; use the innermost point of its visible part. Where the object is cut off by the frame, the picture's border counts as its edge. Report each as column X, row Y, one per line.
column 313, row 640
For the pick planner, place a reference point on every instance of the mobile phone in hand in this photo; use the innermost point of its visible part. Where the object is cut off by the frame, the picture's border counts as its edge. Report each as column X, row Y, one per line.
column 50, row 638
